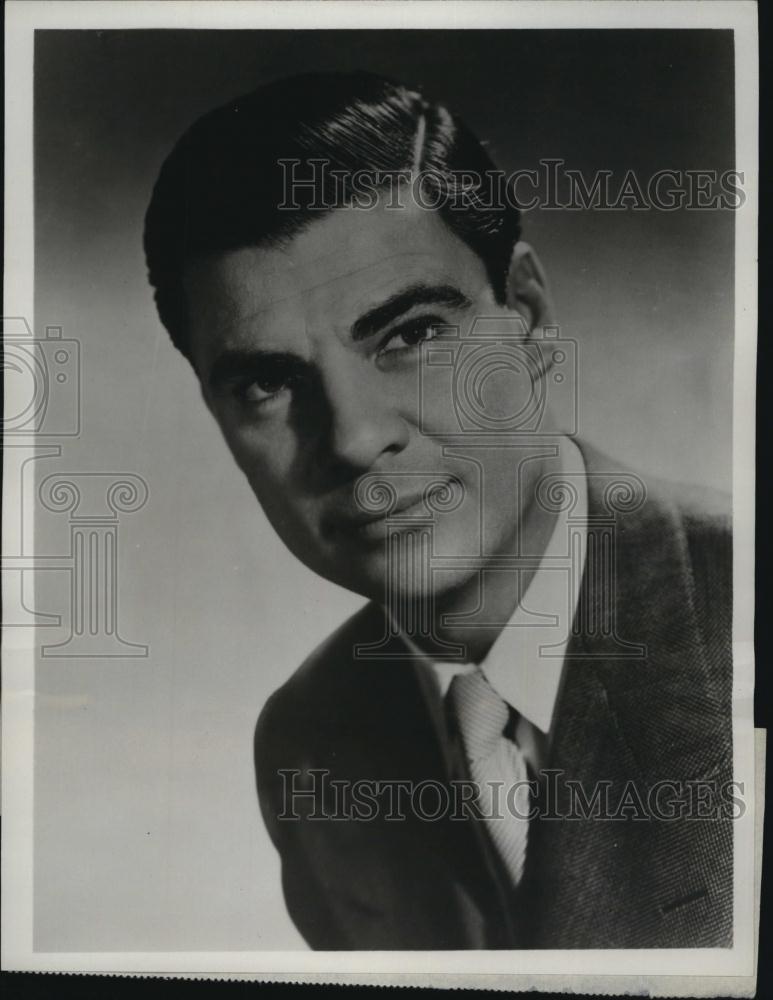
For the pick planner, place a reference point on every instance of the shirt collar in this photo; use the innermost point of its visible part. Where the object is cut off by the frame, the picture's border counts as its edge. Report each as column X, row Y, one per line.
column 525, row 663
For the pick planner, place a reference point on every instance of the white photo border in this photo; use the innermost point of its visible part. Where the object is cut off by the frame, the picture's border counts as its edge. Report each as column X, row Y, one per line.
column 22, row 19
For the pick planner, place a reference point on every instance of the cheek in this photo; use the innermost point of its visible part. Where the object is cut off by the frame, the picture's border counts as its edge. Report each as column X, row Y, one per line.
column 438, row 410
column 266, row 457
column 479, row 390
column 270, row 460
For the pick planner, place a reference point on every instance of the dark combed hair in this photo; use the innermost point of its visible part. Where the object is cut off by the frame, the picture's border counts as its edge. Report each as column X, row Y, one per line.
column 222, row 185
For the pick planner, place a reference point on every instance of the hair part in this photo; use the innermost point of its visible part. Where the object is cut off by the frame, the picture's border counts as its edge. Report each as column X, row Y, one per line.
column 222, row 185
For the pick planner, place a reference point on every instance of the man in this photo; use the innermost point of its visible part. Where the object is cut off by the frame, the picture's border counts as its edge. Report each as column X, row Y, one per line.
column 546, row 648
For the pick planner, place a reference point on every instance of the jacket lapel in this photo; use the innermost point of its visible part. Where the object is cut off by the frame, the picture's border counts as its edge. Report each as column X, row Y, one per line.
column 624, row 722
column 634, row 709
column 411, row 882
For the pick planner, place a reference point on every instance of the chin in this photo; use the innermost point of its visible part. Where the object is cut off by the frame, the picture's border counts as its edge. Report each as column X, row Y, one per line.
column 421, row 590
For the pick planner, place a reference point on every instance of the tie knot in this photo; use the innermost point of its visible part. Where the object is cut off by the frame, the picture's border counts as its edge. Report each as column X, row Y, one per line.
column 481, row 713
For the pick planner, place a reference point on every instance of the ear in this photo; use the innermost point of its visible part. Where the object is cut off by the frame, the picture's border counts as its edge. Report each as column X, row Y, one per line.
column 527, row 287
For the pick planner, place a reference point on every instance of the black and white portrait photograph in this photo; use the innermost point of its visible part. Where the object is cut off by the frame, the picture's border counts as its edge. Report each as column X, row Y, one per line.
column 378, row 548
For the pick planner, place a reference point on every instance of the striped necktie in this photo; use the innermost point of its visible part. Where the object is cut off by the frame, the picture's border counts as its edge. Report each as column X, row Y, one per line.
column 496, row 764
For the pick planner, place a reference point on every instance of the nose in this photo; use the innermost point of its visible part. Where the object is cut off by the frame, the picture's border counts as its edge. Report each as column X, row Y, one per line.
column 364, row 422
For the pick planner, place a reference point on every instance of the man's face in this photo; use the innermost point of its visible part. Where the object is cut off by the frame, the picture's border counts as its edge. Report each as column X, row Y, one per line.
column 309, row 357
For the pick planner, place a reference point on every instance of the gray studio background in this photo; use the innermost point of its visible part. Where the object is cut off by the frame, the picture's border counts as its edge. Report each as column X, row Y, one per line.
column 147, row 830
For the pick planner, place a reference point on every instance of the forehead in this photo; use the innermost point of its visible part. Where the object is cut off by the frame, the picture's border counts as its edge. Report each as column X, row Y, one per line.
column 324, row 277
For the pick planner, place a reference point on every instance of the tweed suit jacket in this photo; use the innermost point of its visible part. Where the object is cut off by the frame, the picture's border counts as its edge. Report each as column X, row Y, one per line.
column 652, row 727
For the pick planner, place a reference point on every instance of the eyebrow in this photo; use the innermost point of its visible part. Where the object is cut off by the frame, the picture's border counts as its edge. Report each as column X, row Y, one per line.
column 232, row 364
column 235, row 364
column 381, row 315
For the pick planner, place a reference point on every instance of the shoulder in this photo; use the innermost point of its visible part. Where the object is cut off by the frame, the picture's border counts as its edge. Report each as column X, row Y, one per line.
column 327, row 668
column 704, row 517
column 704, row 511
column 706, row 521
column 295, row 718
column 674, row 541
column 699, row 515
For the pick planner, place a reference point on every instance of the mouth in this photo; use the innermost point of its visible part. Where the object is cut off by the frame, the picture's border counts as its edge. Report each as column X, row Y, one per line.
column 371, row 525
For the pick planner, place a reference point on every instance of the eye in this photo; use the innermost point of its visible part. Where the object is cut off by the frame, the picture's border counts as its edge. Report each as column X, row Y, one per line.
column 409, row 335
column 271, row 382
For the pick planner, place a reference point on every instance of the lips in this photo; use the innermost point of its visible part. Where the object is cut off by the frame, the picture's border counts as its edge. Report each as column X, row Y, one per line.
column 371, row 524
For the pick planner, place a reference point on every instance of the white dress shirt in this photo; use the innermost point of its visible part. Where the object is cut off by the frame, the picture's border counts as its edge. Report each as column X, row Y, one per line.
column 525, row 665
